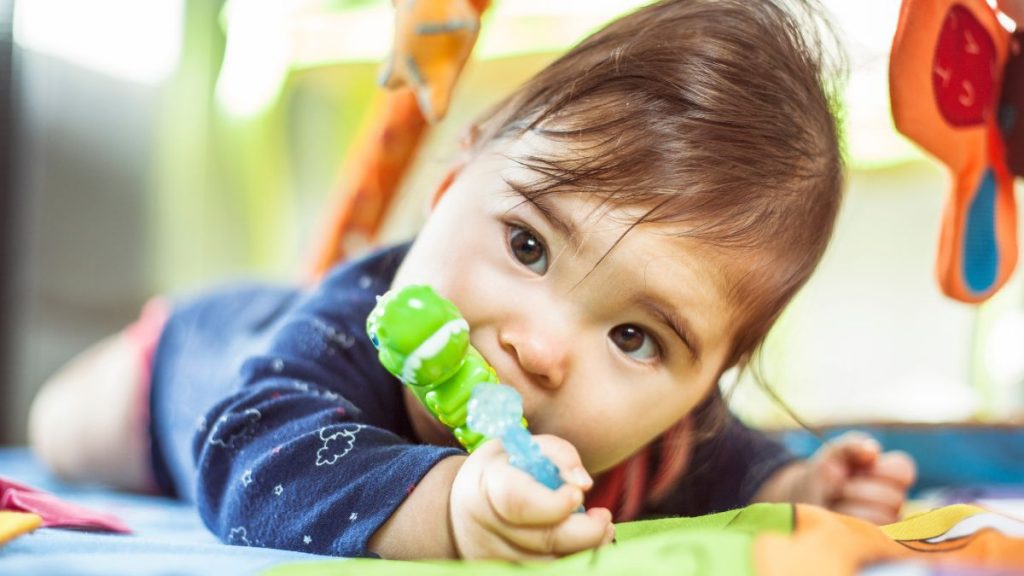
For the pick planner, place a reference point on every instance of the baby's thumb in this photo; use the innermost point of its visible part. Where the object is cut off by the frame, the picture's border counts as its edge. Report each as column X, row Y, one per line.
column 564, row 455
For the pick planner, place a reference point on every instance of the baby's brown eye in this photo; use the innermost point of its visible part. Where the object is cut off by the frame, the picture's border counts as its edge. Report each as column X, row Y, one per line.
column 527, row 249
column 634, row 341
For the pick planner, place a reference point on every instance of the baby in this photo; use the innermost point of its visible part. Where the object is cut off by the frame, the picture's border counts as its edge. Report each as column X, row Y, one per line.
column 627, row 225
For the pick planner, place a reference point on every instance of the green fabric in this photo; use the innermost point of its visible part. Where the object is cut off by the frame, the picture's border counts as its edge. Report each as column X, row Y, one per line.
column 700, row 546
column 753, row 519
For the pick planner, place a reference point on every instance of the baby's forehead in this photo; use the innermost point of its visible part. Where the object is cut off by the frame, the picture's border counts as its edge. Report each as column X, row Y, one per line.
column 671, row 248
column 626, row 252
column 607, row 217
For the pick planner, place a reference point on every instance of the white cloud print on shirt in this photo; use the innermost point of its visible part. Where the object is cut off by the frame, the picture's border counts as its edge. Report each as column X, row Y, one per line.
column 336, row 445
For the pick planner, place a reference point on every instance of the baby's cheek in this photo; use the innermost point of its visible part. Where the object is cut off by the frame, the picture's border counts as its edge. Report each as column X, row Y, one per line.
column 603, row 449
column 607, row 445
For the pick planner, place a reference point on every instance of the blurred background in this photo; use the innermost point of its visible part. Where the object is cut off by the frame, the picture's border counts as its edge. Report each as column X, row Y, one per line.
column 160, row 146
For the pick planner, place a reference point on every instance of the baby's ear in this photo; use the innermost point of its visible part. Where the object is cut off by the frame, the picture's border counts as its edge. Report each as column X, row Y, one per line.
column 469, row 138
column 466, row 144
column 446, row 182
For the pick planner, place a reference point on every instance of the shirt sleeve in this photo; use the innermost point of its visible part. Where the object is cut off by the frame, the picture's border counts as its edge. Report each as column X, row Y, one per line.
column 311, row 452
column 725, row 471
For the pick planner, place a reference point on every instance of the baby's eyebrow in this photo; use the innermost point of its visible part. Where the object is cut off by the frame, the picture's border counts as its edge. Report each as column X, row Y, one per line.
column 555, row 216
column 674, row 322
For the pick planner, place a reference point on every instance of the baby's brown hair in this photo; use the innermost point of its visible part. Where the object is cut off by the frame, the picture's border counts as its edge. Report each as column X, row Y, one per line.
column 713, row 114
column 717, row 116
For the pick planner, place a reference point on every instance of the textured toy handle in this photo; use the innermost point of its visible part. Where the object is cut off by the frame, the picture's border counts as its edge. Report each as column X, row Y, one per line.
column 496, row 410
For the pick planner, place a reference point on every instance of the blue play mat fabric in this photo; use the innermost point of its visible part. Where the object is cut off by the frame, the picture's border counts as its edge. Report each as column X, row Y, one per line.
column 169, row 537
column 946, row 456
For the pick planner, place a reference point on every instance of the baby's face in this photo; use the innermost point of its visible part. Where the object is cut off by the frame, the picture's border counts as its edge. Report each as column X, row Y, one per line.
column 608, row 355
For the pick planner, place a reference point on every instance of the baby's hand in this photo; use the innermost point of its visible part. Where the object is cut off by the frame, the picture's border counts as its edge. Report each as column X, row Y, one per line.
column 850, row 475
column 499, row 511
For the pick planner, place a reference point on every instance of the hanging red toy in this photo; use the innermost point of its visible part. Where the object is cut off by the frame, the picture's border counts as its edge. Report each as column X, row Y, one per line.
column 947, row 70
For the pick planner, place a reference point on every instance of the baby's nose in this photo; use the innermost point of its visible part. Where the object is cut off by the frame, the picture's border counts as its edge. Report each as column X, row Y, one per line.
column 542, row 353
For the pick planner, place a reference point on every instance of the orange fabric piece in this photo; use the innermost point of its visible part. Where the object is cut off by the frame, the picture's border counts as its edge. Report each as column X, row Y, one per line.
column 828, row 543
column 384, row 155
column 945, row 76
column 433, row 40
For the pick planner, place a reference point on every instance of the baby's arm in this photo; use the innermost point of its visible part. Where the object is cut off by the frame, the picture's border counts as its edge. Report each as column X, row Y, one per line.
column 286, row 463
column 850, row 475
column 312, row 451
column 740, row 465
column 405, row 535
column 311, row 454
column 492, row 510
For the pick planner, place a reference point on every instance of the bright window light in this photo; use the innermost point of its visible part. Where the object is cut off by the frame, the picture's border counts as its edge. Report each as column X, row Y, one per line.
column 257, row 56
column 126, row 39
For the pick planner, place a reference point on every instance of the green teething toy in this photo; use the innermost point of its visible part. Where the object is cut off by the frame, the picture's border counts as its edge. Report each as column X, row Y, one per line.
column 423, row 340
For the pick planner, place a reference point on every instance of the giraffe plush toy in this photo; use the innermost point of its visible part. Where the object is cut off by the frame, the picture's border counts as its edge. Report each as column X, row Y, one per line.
column 433, row 39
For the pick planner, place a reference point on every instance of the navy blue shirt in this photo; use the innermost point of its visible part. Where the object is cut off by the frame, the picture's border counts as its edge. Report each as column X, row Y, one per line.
column 270, row 411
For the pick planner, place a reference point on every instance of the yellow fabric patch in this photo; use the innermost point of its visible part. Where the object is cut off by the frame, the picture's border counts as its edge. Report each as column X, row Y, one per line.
column 14, row 524
column 931, row 523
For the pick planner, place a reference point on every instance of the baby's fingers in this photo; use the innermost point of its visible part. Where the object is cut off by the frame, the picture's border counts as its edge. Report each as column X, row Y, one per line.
column 873, row 492
column 852, row 450
column 577, row 532
column 866, row 511
column 896, row 467
column 564, row 455
column 519, row 500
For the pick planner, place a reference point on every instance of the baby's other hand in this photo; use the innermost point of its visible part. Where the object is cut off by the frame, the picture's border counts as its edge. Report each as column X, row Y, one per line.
column 498, row 511
column 850, row 475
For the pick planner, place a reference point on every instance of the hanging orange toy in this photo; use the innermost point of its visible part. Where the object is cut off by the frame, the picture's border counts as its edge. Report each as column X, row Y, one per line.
column 433, row 39
column 949, row 63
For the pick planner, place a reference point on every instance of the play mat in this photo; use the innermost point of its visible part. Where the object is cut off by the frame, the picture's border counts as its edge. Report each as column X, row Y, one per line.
column 973, row 525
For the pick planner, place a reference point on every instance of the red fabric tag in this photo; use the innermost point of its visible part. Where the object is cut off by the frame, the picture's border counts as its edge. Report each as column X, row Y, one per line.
column 56, row 513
